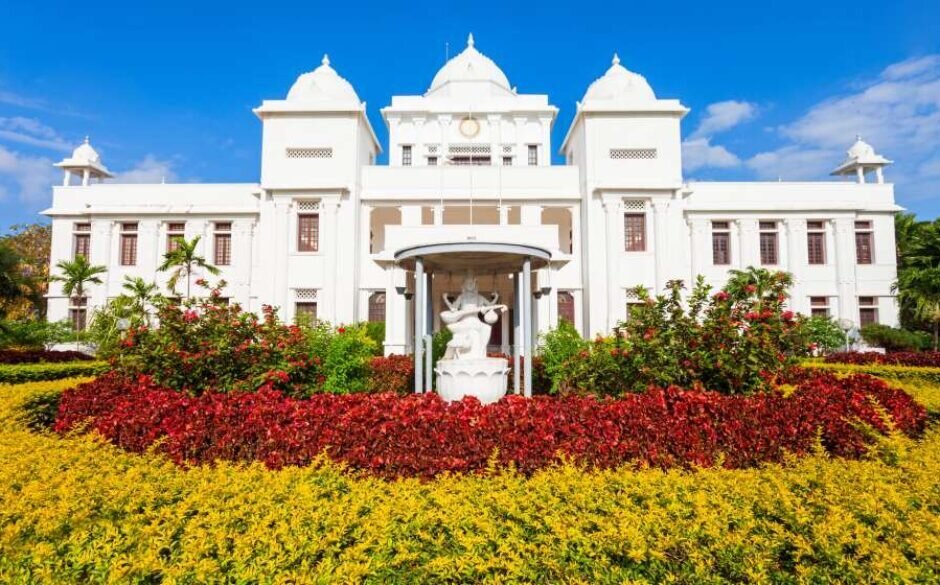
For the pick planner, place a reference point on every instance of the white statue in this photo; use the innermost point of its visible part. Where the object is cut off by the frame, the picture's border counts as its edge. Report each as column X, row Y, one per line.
column 470, row 320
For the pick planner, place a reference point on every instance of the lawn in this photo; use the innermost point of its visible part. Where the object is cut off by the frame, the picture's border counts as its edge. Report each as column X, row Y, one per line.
column 75, row 509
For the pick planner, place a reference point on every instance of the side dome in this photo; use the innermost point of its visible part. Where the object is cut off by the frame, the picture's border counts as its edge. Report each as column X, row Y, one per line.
column 620, row 84
column 86, row 153
column 470, row 66
column 323, row 84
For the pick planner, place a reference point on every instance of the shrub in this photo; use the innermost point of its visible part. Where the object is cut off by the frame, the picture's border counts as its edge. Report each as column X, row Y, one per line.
column 824, row 333
column 736, row 341
column 376, row 332
column 909, row 373
column 32, row 334
column 32, row 356
column 76, row 510
column 205, row 344
column 395, row 373
column 893, row 339
column 421, row 435
column 927, row 359
column 558, row 347
column 20, row 373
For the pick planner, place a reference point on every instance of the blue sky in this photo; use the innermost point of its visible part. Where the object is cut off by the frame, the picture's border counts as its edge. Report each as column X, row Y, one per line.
column 777, row 89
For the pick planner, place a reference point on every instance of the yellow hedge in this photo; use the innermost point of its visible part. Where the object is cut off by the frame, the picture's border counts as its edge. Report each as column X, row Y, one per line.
column 75, row 510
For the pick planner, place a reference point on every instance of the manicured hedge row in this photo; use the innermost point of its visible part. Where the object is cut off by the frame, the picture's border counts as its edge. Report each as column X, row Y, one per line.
column 76, row 510
column 18, row 374
column 420, row 435
column 903, row 373
column 32, row 356
column 922, row 359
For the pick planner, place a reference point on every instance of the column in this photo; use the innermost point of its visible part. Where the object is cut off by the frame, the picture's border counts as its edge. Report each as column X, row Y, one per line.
column 661, row 252
column 504, row 214
column 329, row 246
column 613, row 211
column 527, row 323
column 419, row 324
column 439, row 214
column 749, row 243
column 516, row 331
column 845, row 261
column 698, row 230
column 795, row 230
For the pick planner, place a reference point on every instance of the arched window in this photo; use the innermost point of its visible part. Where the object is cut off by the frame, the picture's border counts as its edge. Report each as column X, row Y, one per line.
column 566, row 306
column 377, row 307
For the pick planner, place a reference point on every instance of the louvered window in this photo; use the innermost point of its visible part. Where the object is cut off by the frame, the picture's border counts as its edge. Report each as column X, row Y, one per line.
column 721, row 243
column 816, row 242
column 768, row 243
column 634, row 232
column 128, row 244
column 864, row 242
column 308, row 232
column 223, row 244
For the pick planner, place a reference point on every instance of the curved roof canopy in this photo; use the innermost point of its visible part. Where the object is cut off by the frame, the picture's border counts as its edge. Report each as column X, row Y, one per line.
column 479, row 257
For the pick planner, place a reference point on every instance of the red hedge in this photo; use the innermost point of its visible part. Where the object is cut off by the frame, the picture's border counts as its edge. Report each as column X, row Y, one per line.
column 32, row 356
column 420, row 435
column 928, row 359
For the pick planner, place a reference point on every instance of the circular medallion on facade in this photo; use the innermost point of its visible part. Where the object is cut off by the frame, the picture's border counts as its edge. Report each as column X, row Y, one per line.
column 469, row 127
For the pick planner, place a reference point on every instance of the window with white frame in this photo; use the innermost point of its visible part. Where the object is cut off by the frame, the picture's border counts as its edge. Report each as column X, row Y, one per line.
column 128, row 247
column 566, row 306
column 864, row 242
column 816, row 242
column 78, row 312
column 308, row 231
column 867, row 311
column 222, row 243
column 406, row 155
column 175, row 233
column 634, row 232
column 721, row 243
column 819, row 306
column 81, row 240
column 533, row 151
column 769, row 253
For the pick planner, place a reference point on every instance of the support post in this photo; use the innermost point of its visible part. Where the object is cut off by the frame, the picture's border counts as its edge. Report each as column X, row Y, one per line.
column 516, row 332
column 527, row 322
column 419, row 323
column 428, row 364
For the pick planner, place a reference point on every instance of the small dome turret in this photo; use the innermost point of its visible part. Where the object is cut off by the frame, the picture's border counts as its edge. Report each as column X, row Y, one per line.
column 85, row 162
column 861, row 158
column 620, row 84
column 323, row 84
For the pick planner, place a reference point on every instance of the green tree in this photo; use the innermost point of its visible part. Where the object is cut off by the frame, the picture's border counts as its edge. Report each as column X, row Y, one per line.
column 76, row 275
column 182, row 260
column 13, row 284
column 140, row 293
column 919, row 290
column 32, row 243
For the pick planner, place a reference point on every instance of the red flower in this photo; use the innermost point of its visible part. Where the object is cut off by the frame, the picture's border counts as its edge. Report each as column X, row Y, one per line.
column 721, row 296
column 787, row 315
column 189, row 316
column 341, row 330
column 751, row 289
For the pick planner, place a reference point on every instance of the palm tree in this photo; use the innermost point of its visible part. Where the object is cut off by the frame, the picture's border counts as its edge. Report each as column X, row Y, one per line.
column 140, row 293
column 763, row 281
column 182, row 259
column 919, row 289
column 76, row 275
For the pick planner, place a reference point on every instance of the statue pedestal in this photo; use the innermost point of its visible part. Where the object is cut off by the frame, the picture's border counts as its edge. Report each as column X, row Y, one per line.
column 482, row 378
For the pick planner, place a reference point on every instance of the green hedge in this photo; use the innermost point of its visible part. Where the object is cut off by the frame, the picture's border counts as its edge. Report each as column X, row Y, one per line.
column 901, row 373
column 21, row 373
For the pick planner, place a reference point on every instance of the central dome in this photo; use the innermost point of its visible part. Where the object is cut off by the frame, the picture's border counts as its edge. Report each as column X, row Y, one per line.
column 470, row 66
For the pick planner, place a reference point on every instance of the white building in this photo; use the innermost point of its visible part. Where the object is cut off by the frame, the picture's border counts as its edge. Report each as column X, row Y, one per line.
column 326, row 229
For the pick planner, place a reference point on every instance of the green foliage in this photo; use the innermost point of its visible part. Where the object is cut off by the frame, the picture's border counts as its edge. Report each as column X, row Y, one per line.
column 32, row 334
column 13, row 283
column 736, row 341
column 558, row 346
column 439, row 343
column 31, row 243
column 824, row 332
column 918, row 283
column 204, row 344
column 181, row 261
column 888, row 372
column 376, row 332
column 20, row 373
column 893, row 339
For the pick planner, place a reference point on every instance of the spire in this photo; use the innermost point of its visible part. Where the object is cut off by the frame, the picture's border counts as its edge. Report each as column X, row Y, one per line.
column 615, row 60
column 325, row 61
column 470, row 40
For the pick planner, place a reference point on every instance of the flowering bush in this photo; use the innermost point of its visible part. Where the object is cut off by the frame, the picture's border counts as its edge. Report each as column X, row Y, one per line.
column 207, row 344
column 420, row 435
column 394, row 373
column 736, row 341
column 32, row 356
column 926, row 359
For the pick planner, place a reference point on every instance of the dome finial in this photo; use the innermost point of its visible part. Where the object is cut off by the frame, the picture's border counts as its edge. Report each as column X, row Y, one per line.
column 86, row 139
column 470, row 40
column 325, row 61
column 615, row 60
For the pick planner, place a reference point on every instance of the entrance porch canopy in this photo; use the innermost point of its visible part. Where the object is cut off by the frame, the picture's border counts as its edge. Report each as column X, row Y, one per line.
column 478, row 257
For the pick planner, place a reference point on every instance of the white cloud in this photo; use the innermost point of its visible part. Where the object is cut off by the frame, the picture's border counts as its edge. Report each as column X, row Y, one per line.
column 33, row 133
column 14, row 99
column 29, row 178
column 148, row 170
column 721, row 116
column 898, row 112
column 700, row 153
